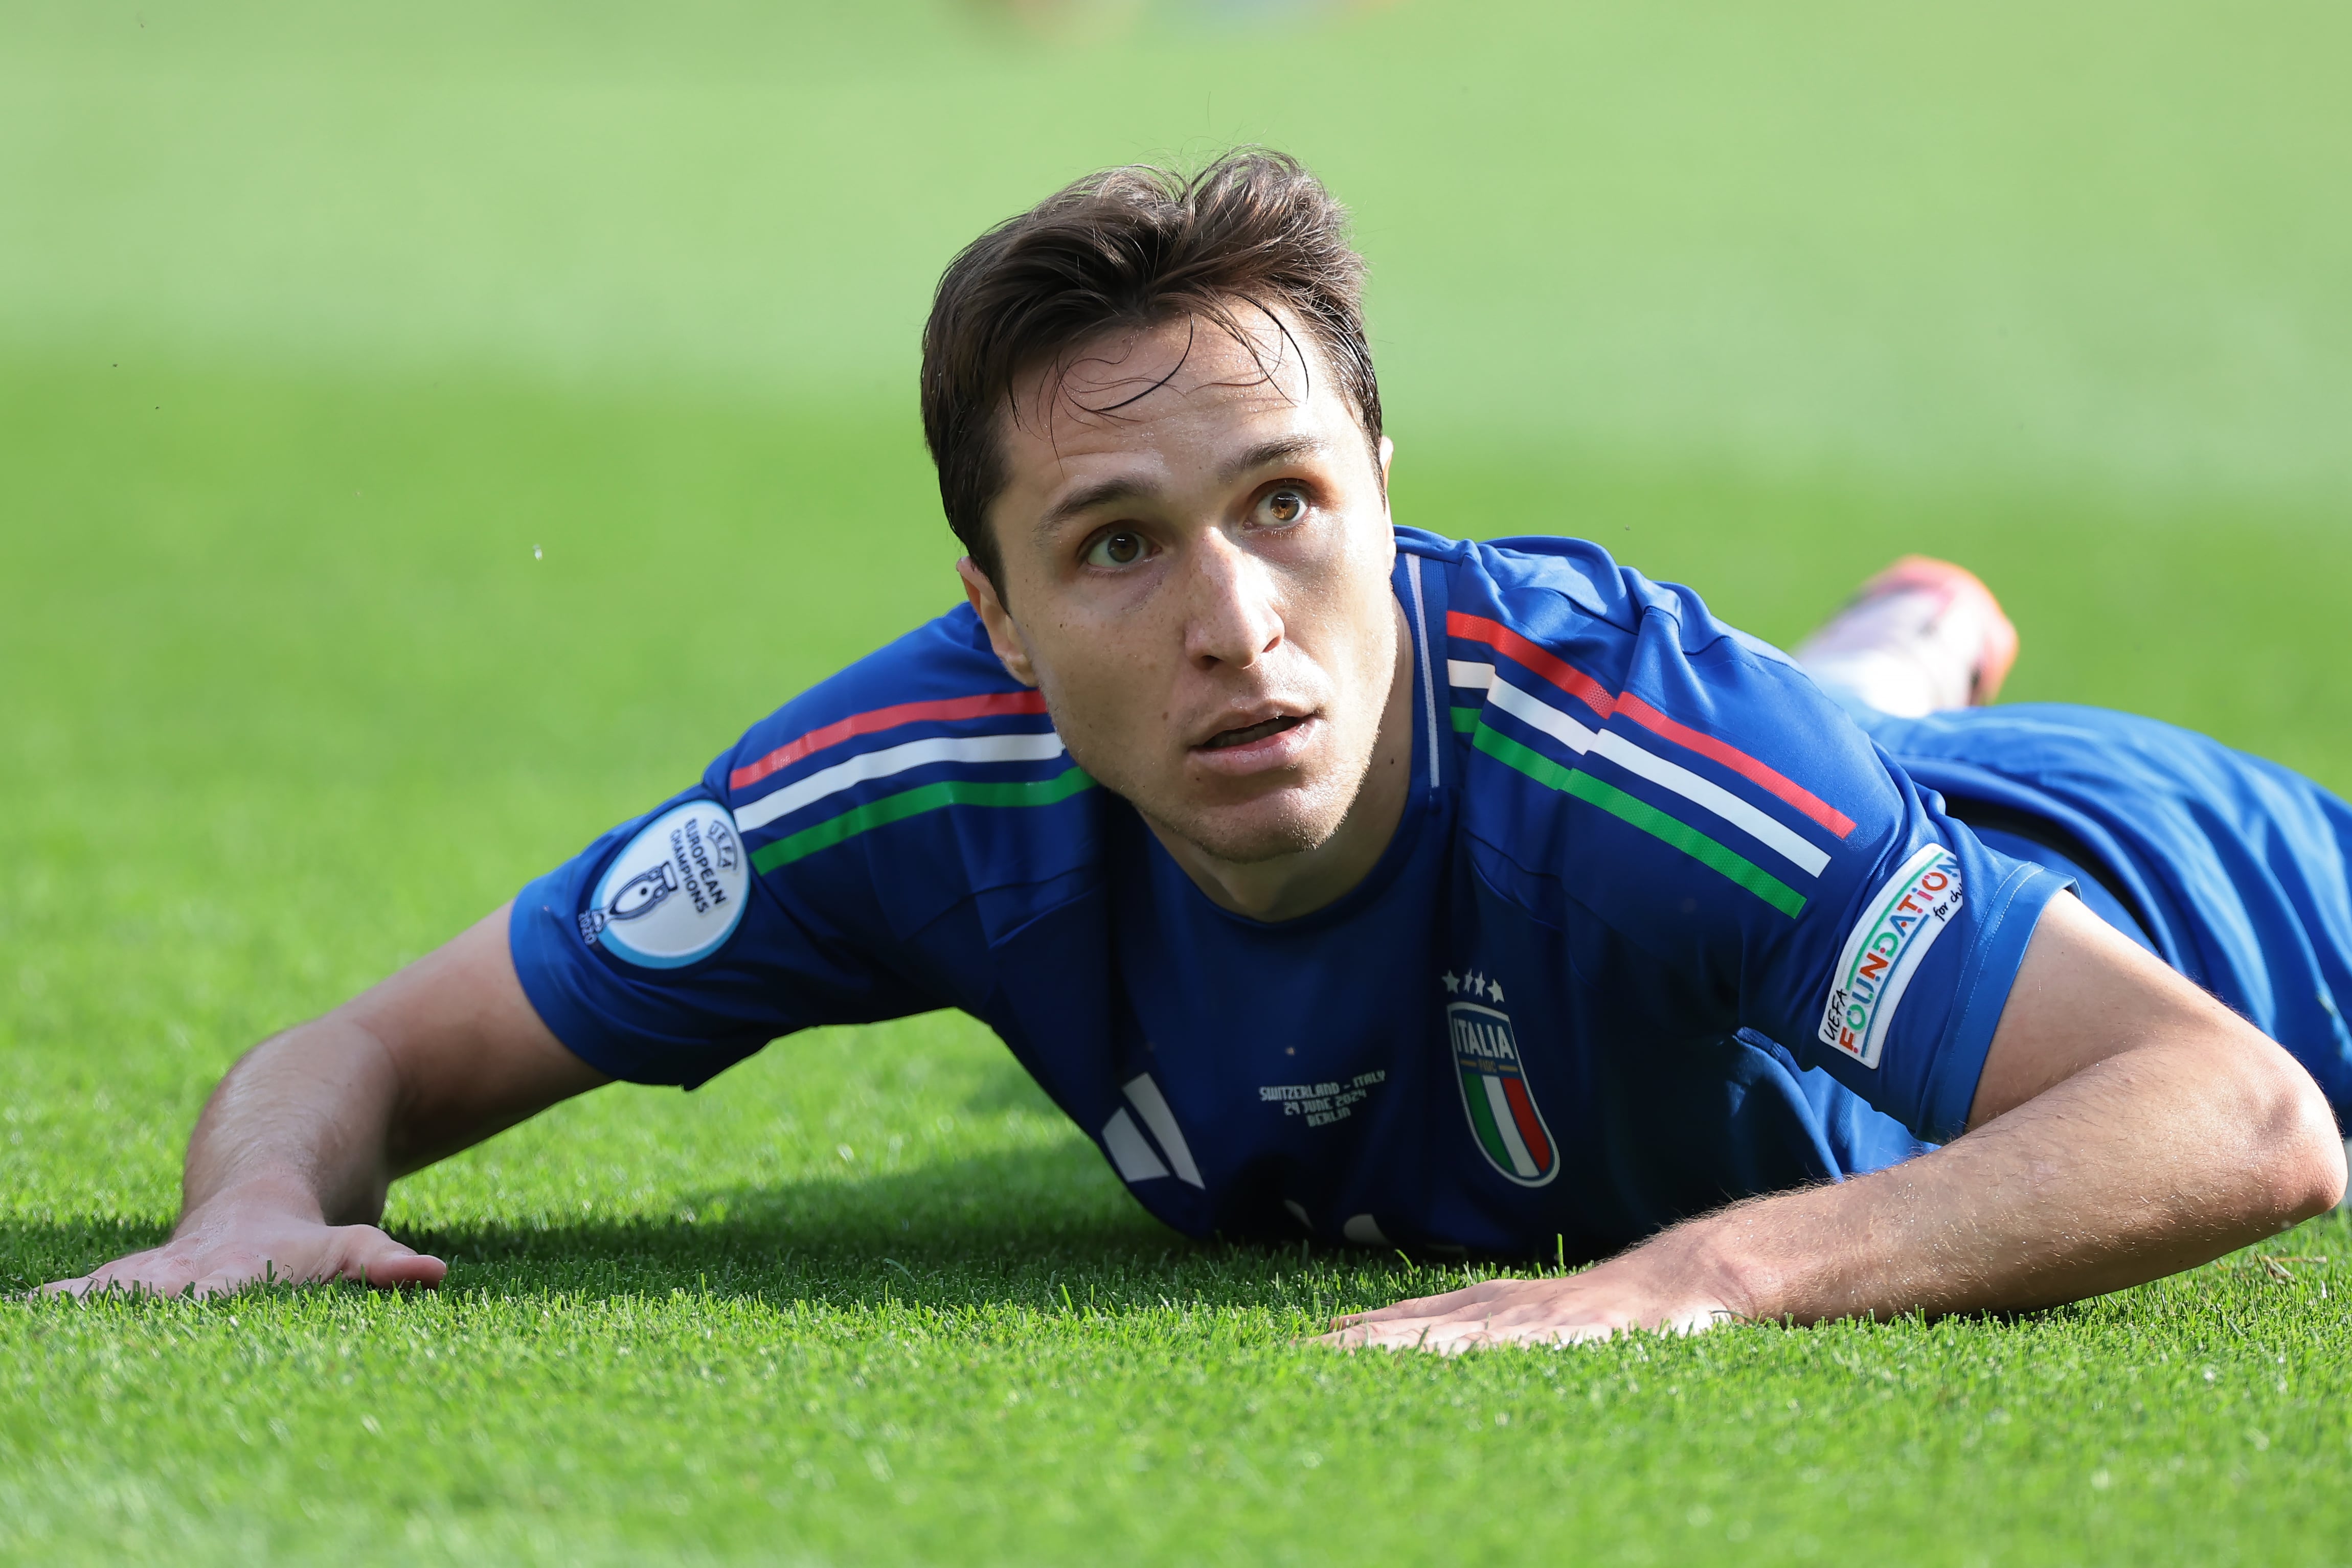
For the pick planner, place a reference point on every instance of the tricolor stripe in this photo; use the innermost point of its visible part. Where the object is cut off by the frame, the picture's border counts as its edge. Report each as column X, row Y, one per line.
column 1524, row 1118
column 1628, row 754
column 802, row 793
column 1607, row 704
column 914, row 803
column 1639, row 813
column 989, row 705
column 1482, row 1121
column 1505, row 1122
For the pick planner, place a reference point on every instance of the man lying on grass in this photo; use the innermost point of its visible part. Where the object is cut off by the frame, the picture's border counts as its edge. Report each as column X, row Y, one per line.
column 1347, row 881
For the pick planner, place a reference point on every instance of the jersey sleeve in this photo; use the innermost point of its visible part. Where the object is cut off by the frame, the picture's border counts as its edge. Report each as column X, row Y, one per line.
column 1744, row 856
column 812, row 876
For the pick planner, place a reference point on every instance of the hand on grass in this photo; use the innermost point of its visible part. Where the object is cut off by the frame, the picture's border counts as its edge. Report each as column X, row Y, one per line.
column 1643, row 1289
column 226, row 1246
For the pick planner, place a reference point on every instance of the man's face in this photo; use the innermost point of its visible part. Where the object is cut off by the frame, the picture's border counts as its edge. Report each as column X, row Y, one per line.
column 1195, row 555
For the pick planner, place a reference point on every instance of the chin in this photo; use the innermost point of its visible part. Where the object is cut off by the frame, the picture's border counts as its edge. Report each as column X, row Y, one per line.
column 1289, row 822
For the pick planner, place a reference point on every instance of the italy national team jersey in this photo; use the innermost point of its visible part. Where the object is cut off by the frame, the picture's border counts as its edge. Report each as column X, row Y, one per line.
column 1661, row 926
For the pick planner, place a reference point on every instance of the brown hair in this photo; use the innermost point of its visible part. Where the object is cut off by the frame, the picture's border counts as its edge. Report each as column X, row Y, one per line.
column 1130, row 248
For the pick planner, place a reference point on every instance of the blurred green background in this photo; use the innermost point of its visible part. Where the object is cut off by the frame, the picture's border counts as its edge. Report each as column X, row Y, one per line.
column 428, row 434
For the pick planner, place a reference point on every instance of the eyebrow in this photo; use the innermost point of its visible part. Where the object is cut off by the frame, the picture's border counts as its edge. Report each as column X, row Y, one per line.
column 1110, row 492
column 1283, row 449
column 1113, row 492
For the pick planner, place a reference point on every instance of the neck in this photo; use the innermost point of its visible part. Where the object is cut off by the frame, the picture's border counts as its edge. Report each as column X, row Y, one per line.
column 1291, row 885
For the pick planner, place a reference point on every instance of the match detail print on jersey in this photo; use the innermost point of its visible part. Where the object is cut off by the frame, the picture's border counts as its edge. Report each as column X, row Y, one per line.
column 815, row 788
column 1509, row 1129
column 1786, row 845
column 674, row 893
column 1898, row 924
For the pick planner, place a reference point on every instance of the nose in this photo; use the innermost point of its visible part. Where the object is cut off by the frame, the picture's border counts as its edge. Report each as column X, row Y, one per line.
column 1232, row 617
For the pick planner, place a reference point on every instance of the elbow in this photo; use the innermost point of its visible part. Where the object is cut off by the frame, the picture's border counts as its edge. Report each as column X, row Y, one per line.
column 2301, row 1149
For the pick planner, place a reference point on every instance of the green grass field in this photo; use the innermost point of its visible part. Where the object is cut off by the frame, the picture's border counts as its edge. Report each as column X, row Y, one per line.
column 427, row 439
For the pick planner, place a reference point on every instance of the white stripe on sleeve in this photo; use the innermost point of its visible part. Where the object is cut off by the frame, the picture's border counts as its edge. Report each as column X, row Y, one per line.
column 1622, row 751
column 833, row 781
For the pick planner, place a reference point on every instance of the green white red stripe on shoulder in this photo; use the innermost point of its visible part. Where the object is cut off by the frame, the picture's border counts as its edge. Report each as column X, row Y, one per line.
column 978, row 758
column 1607, row 704
column 1639, row 754
column 915, row 802
column 986, row 704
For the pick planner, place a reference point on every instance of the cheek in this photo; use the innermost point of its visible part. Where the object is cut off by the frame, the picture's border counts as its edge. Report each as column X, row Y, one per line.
column 1099, row 687
column 1347, row 604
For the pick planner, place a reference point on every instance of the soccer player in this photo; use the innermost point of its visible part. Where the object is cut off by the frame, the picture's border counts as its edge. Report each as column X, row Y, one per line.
column 1345, row 881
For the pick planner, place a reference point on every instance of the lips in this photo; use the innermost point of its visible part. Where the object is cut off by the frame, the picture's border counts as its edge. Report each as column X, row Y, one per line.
column 1259, row 746
column 1225, row 740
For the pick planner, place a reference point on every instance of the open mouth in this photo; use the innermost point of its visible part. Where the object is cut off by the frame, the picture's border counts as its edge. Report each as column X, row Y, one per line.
column 1232, row 737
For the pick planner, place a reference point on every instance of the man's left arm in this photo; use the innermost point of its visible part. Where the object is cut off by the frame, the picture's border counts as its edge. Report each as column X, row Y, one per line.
column 2125, row 1126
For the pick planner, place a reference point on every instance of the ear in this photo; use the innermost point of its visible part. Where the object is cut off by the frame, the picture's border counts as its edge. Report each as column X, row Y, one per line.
column 1388, row 456
column 1003, row 635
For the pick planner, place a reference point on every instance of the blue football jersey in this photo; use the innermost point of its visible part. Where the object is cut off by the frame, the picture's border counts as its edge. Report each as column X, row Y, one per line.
column 2231, row 869
column 1661, row 926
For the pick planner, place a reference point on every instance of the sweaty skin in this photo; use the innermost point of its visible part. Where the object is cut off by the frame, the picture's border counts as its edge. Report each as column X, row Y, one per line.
column 1198, row 582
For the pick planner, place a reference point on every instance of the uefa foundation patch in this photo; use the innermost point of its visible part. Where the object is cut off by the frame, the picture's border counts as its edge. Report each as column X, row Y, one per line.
column 675, row 895
column 1898, row 926
column 1495, row 1095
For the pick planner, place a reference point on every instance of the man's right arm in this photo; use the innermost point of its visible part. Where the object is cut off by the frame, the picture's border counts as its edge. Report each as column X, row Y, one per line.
column 288, row 1167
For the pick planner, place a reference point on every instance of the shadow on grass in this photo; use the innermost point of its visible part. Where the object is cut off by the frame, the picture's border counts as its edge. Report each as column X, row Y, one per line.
column 1002, row 1229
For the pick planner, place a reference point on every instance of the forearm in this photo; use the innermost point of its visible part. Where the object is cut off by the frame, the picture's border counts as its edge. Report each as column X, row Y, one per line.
column 435, row 1059
column 303, row 1123
column 287, row 1170
column 2066, row 1195
column 2125, row 1126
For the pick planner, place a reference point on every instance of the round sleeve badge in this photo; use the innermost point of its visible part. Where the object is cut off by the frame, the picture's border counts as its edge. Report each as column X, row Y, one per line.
column 674, row 893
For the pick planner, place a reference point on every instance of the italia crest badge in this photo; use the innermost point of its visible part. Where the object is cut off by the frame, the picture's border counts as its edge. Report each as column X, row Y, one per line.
column 1508, row 1128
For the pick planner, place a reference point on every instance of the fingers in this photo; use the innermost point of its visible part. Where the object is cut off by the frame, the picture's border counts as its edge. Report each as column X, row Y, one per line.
column 1495, row 1312
column 363, row 1253
column 396, row 1265
column 201, row 1266
column 1425, row 1306
column 1590, row 1306
column 158, row 1271
column 1452, row 1336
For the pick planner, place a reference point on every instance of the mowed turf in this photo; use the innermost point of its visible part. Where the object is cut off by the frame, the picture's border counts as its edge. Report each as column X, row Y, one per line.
column 417, row 455
column 309, row 700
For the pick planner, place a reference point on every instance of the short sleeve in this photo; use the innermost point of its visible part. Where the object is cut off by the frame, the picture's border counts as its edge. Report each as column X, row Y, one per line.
column 657, row 956
column 850, row 859
column 1753, row 860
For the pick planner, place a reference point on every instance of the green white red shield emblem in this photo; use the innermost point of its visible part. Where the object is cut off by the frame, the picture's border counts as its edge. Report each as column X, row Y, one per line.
column 1503, row 1116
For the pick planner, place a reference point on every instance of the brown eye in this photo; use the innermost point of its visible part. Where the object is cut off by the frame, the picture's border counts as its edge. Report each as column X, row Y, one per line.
column 1283, row 507
column 1120, row 546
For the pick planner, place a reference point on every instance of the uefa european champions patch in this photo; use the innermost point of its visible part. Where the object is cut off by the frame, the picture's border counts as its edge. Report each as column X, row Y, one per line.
column 675, row 895
column 1510, row 1129
column 1898, row 926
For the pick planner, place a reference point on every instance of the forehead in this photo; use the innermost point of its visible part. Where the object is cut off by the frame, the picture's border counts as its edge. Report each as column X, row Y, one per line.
column 1157, row 395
